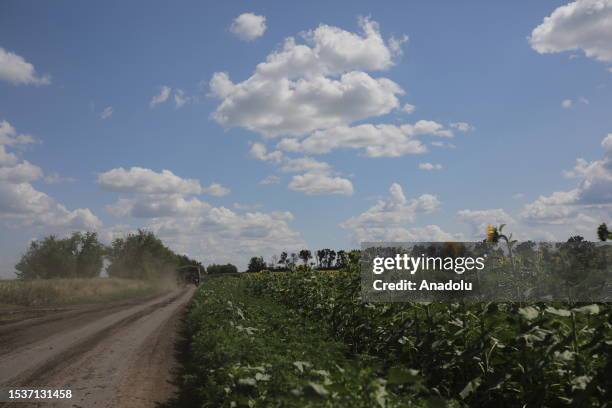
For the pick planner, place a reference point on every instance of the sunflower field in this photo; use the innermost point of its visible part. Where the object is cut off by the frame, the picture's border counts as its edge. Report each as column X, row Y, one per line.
column 306, row 338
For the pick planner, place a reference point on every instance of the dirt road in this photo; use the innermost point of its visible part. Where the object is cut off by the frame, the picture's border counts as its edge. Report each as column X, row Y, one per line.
column 117, row 355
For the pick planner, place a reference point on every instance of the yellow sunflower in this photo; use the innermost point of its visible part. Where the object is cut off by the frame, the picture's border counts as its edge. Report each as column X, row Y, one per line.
column 491, row 233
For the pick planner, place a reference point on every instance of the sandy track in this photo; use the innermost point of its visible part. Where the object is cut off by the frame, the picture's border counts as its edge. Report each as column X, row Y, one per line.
column 32, row 324
column 121, row 358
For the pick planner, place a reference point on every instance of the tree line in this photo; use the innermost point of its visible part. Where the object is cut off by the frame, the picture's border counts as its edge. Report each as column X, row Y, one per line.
column 326, row 259
column 138, row 255
column 322, row 259
column 142, row 255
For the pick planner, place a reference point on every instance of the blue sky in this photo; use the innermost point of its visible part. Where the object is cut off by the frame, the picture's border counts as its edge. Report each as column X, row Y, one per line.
column 505, row 102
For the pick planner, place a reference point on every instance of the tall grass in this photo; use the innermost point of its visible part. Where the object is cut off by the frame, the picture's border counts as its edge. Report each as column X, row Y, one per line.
column 42, row 292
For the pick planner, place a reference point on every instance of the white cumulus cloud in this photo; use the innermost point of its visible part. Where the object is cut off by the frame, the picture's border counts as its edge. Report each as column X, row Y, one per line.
column 164, row 94
column 23, row 172
column 389, row 219
column 248, row 26
column 285, row 107
column 269, row 180
column 315, row 85
column 7, row 158
column 181, row 99
column 146, row 181
column 27, row 206
column 408, row 108
column 144, row 206
column 259, row 151
column 220, row 235
column 142, row 180
column 16, row 70
column 214, row 234
column 21, row 204
column 317, row 177
column 592, row 197
column 216, row 190
column 580, row 25
column 395, row 44
column 430, row 166
column 56, row 178
column 382, row 140
column 479, row 219
column 14, row 170
column 462, row 126
column 10, row 137
column 305, row 164
column 316, row 183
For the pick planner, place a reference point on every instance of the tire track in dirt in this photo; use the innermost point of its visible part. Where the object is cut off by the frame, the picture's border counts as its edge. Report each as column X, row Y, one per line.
column 30, row 325
column 124, row 359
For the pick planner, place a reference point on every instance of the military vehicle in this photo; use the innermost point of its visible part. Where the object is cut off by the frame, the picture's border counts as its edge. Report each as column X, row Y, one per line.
column 190, row 274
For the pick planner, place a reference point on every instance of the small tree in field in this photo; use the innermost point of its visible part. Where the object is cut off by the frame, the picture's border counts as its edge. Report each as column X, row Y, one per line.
column 341, row 259
column 256, row 264
column 90, row 254
column 305, row 255
column 48, row 258
column 603, row 233
column 331, row 257
column 283, row 259
column 320, row 257
column 79, row 256
column 293, row 260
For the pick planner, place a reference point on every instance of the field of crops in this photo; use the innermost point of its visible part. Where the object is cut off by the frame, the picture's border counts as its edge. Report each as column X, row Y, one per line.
column 247, row 350
column 307, row 339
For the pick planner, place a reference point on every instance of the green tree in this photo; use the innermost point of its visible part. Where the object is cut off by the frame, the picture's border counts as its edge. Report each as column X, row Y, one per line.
column 341, row 259
column 214, row 269
column 80, row 255
column 48, row 258
column 184, row 260
column 256, row 264
column 603, row 233
column 320, row 257
column 354, row 256
column 283, row 259
column 90, row 254
column 141, row 255
column 305, row 255
column 331, row 257
column 293, row 260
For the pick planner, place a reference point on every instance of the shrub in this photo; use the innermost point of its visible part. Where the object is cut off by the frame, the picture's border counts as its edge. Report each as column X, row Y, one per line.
column 80, row 255
column 215, row 269
column 256, row 264
column 141, row 255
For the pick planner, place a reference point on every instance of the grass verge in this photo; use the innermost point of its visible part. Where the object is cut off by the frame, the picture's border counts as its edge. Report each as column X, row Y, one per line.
column 44, row 292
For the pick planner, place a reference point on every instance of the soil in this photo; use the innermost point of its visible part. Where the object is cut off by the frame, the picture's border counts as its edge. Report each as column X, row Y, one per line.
column 120, row 354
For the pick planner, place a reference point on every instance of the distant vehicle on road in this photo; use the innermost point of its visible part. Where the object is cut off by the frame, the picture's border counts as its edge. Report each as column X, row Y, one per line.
column 189, row 274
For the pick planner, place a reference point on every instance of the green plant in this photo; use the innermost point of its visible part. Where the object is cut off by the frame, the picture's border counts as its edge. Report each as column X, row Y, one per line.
column 483, row 354
column 245, row 350
column 80, row 255
column 603, row 233
column 256, row 264
column 60, row 291
column 141, row 255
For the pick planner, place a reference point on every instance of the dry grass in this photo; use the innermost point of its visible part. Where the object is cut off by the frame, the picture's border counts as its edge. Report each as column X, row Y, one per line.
column 72, row 291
